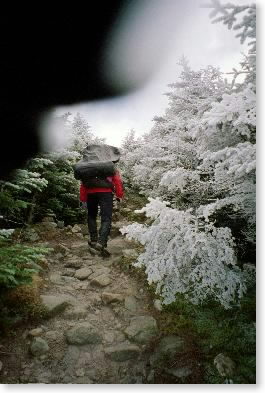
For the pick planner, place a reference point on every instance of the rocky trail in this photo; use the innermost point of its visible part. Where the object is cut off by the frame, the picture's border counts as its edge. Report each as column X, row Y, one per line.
column 102, row 325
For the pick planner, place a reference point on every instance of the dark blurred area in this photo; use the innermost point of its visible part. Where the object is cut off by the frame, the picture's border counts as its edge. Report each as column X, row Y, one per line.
column 48, row 59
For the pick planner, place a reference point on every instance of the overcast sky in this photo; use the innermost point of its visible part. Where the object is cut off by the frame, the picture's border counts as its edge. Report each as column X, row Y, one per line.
column 193, row 36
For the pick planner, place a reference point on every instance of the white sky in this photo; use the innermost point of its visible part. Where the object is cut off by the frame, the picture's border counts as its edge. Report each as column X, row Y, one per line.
column 195, row 37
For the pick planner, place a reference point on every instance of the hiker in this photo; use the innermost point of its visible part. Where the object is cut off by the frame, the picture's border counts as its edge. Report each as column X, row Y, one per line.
column 100, row 193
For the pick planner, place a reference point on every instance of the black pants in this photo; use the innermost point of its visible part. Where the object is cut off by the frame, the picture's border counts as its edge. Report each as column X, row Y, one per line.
column 104, row 200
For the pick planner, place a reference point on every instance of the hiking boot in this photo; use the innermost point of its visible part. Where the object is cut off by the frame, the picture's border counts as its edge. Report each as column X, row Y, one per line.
column 92, row 244
column 92, row 248
column 103, row 250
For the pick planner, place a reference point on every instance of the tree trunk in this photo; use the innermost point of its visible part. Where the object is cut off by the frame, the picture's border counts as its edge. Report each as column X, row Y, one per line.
column 31, row 209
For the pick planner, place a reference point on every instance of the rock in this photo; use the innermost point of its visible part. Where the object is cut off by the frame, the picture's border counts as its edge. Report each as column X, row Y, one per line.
column 123, row 352
column 1, row 366
column 109, row 336
column 98, row 270
column 108, row 297
column 130, row 303
column 76, row 229
column 71, row 357
column 88, row 262
column 61, row 248
column 75, row 263
column 46, row 226
column 68, row 279
column 53, row 335
column 224, row 365
column 44, row 377
column 83, row 273
column 120, row 337
column 68, row 272
column 56, row 304
column 95, row 299
column 167, row 349
column 130, row 253
column 59, row 256
column 92, row 374
column 142, row 329
column 39, row 347
column 83, row 333
column 101, row 281
column 77, row 312
column 80, row 372
column 56, row 278
column 158, row 305
column 107, row 263
column 36, row 332
column 180, row 372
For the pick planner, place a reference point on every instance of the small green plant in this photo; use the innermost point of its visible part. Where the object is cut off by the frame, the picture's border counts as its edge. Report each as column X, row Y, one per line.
column 15, row 262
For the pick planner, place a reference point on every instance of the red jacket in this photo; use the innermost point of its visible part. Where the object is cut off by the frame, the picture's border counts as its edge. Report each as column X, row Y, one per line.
column 118, row 188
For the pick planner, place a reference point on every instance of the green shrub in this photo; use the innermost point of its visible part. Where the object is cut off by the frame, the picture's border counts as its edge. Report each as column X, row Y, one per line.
column 15, row 263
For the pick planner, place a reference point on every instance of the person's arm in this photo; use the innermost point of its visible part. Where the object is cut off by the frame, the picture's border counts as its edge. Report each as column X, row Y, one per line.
column 118, row 186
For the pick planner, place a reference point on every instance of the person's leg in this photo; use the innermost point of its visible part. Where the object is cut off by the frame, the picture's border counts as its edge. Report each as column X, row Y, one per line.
column 92, row 212
column 105, row 203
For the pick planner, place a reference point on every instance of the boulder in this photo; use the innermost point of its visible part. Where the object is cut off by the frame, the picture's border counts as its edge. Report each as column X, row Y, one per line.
column 76, row 229
column 108, row 297
column 225, row 366
column 36, row 332
column 53, row 335
column 75, row 313
column 55, row 304
column 83, row 333
column 68, row 272
column 56, row 278
column 122, row 352
column 167, row 349
column 75, row 263
column 83, row 273
column 142, row 329
column 130, row 303
column 39, row 346
column 95, row 299
column 60, row 248
column 46, row 226
column 101, row 281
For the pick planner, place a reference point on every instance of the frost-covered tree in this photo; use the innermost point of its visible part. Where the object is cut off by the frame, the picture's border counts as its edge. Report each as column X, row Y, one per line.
column 79, row 133
column 198, row 165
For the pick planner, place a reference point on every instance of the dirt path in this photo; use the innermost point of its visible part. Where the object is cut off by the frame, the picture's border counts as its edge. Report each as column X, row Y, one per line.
column 102, row 326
